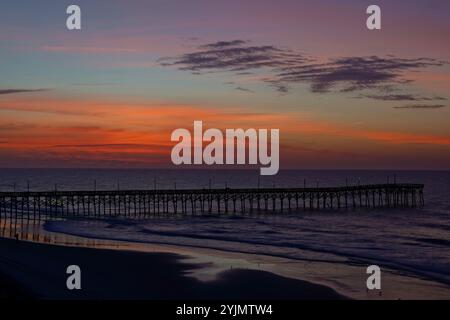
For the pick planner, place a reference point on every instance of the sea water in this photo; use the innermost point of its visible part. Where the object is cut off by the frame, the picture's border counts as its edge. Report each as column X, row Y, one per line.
column 414, row 241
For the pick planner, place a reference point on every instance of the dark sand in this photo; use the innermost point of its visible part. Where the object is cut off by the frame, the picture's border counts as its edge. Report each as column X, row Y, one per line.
column 11, row 290
column 40, row 269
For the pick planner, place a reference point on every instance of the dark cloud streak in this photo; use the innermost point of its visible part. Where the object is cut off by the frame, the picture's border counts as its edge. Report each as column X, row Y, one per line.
column 284, row 68
column 244, row 89
column 402, row 97
column 14, row 91
column 354, row 73
column 233, row 56
column 422, row 106
column 223, row 44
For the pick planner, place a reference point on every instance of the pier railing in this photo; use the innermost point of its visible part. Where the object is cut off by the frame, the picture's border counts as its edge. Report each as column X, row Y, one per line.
column 139, row 203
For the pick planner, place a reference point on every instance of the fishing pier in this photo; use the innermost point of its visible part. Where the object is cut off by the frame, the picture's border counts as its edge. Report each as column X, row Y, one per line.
column 142, row 203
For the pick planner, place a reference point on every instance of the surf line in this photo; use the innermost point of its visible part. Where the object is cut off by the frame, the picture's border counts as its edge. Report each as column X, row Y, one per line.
column 240, row 145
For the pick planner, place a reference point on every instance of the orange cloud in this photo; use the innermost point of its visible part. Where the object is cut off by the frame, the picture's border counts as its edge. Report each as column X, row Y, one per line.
column 334, row 130
column 113, row 133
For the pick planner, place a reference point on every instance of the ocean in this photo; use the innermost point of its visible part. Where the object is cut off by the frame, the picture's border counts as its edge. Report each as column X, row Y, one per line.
column 412, row 241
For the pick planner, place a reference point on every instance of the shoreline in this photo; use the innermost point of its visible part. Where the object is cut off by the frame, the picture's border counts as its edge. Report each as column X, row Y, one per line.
column 121, row 274
column 212, row 266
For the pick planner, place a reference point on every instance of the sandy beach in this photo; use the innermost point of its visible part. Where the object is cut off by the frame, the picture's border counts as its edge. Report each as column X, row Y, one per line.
column 35, row 265
column 39, row 271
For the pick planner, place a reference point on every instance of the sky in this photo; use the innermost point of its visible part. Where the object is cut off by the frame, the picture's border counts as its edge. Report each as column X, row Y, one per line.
column 109, row 95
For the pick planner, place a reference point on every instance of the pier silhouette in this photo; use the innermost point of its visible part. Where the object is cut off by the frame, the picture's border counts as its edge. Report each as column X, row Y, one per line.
column 140, row 203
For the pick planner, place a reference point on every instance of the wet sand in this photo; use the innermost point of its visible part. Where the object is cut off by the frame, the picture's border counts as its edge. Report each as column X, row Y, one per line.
column 40, row 269
column 211, row 266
